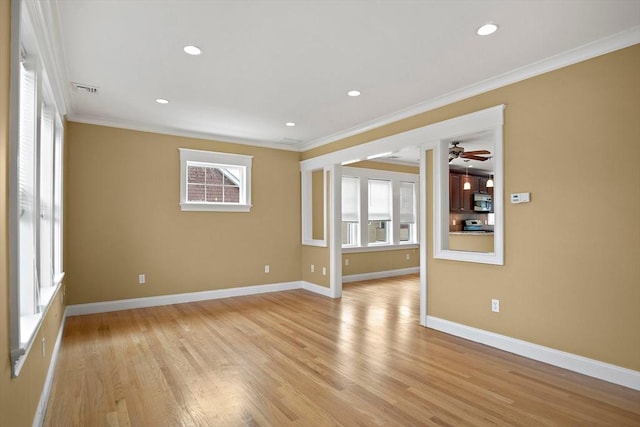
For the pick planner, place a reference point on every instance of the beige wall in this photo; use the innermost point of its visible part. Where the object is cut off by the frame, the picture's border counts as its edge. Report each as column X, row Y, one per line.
column 571, row 275
column 375, row 261
column 19, row 397
column 123, row 219
column 317, row 205
column 319, row 257
column 471, row 242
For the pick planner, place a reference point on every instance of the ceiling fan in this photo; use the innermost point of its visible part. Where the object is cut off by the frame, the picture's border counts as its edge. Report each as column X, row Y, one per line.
column 458, row 152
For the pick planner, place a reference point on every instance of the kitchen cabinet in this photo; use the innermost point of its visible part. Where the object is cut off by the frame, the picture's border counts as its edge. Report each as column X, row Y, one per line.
column 455, row 192
column 461, row 200
column 479, row 184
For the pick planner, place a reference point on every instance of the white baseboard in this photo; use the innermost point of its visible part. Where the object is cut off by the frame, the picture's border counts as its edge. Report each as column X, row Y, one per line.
column 38, row 419
column 312, row 287
column 380, row 274
column 583, row 365
column 127, row 304
column 155, row 301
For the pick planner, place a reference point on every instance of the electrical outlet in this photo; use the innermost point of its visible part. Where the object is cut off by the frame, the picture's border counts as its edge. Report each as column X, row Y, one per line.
column 266, row 268
column 495, row 305
column 142, row 279
column 324, row 271
column 346, row 261
column 313, row 268
column 408, row 257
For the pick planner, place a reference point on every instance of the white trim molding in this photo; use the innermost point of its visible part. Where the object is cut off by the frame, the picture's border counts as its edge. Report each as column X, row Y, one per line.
column 379, row 248
column 583, row 365
column 222, row 161
column 156, row 301
column 489, row 119
column 306, row 183
column 322, row 290
column 41, row 409
column 380, row 274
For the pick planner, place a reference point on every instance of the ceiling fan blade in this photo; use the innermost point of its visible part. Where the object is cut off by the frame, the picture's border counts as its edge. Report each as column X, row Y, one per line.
column 482, row 159
column 473, row 153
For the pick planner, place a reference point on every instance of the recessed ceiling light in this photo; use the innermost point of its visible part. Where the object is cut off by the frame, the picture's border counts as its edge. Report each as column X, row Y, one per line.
column 290, row 124
column 192, row 50
column 487, row 29
column 353, row 93
column 162, row 101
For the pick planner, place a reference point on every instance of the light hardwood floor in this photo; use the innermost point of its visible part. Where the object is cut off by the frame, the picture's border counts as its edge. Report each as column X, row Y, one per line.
column 296, row 358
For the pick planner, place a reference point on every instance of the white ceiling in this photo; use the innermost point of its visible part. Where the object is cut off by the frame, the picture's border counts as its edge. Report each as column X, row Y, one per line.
column 481, row 140
column 265, row 63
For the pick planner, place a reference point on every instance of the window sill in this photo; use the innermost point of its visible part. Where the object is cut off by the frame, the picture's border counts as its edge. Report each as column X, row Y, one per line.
column 205, row 207
column 29, row 326
column 29, row 323
column 375, row 248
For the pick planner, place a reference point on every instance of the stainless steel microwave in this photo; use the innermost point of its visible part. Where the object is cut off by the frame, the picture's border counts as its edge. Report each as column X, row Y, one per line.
column 482, row 202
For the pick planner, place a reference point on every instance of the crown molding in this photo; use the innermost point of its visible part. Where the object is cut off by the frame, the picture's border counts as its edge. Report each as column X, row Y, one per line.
column 590, row 50
column 166, row 130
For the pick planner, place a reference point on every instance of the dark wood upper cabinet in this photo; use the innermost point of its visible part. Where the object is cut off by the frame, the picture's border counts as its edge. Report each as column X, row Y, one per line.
column 461, row 200
column 455, row 192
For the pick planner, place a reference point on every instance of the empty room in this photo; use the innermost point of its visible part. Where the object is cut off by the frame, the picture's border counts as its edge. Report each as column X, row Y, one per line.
column 319, row 213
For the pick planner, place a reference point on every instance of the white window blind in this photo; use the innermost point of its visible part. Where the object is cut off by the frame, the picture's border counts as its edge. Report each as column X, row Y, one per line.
column 379, row 200
column 350, row 199
column 57, row 197
column 46, row 197
column 26, row 191
column 407, row 203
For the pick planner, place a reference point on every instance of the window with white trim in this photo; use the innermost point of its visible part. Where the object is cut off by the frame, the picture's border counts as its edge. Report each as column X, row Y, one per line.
column 379, row 208
column 350, row 210
column 211, row 181
column 407, row 211
column 35, row 192
column 379, row 226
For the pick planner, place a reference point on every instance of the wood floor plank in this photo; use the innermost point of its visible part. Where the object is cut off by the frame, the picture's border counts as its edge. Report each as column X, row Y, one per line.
column 299, row 359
